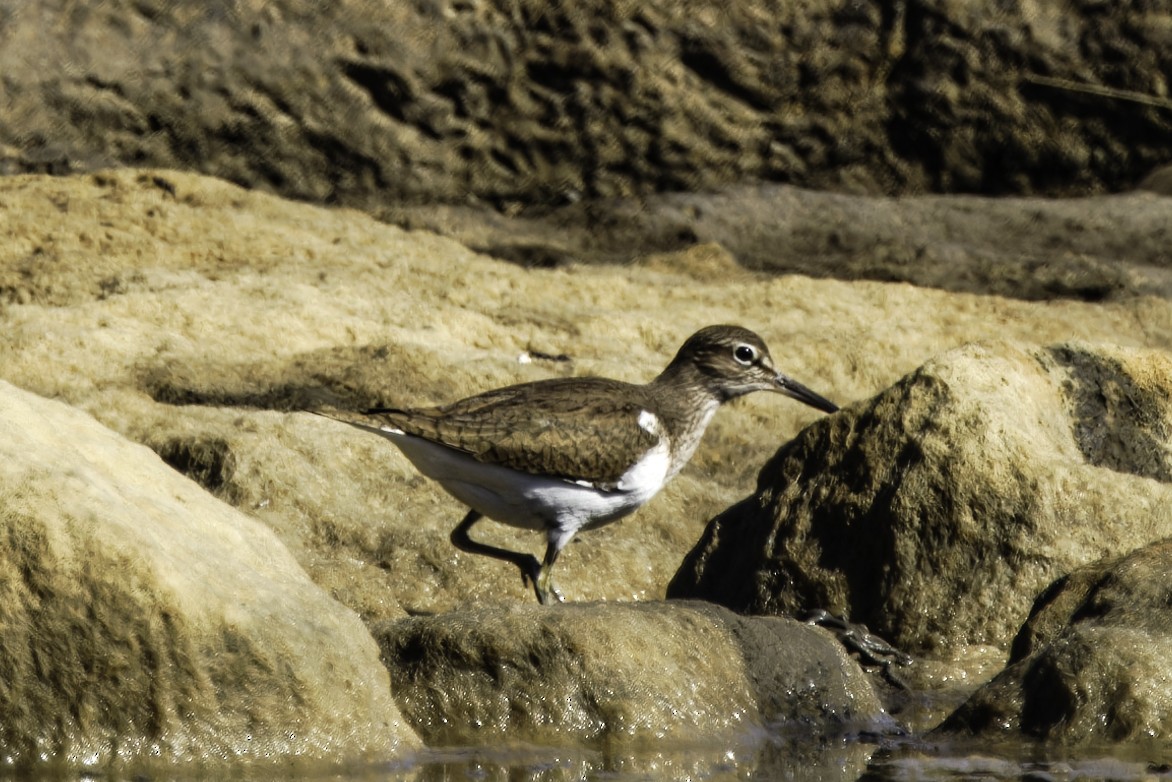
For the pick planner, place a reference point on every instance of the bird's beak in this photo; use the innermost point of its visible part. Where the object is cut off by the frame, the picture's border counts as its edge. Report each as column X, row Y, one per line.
column 793, row 388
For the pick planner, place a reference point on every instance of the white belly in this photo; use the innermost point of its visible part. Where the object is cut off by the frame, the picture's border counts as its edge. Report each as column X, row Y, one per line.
column 534, row 501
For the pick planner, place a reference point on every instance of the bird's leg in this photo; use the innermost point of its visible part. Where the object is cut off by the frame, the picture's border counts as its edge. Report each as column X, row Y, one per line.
column 544, row 585
column 531, row 569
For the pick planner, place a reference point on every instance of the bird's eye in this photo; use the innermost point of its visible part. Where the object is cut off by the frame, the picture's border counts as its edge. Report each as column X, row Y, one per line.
column 744, row 354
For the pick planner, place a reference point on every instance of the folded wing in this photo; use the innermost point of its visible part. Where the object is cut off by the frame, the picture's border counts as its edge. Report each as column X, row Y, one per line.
column 571, row 429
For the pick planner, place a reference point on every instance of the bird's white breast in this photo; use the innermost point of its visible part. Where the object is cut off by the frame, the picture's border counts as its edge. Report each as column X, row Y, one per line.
column 536, row 501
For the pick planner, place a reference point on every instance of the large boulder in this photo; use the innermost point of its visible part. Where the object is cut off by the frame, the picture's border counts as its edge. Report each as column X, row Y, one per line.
column 937, row 510
column 597, row 673
column 360, row 103
column 147, row 622
column 1092, row 662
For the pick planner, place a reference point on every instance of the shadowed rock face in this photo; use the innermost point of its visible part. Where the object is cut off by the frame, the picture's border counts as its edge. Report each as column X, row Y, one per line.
column 613, row 672
column 532, row 103
column 146, row 622
column 1025, row 248
column 1092, row 662
column 935, row 511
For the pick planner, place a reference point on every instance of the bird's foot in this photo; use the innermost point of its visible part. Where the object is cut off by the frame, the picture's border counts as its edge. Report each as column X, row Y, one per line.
column 547, row 593
column 534, row 574
column 871, row 649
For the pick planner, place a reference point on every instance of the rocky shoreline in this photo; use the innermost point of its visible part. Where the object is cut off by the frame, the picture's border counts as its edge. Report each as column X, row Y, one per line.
column 953, row 219
column 259, row 584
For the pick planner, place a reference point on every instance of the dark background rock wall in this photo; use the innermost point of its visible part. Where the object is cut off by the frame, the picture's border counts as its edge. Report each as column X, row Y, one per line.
column 527, row 102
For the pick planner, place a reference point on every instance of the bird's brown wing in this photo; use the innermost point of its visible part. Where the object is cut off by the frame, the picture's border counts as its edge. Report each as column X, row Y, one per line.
column 582, row 429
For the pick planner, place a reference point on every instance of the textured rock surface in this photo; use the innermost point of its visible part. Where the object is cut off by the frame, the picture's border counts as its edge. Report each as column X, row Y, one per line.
column 147, row 622
column 937, row 510
column 621, row 672
column 174, row 308
column 358, row 102
column 1092, row 662
column 1028, row 248
column 192, row 316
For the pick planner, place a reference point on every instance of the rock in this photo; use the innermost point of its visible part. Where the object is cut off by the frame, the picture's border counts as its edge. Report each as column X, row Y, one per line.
column 1092, row 662
column 936, row 511
column 597, row 673
column 194, row 317
column 145, row 622
column 1158, row 181
column 1089, row 249
column 524, row 103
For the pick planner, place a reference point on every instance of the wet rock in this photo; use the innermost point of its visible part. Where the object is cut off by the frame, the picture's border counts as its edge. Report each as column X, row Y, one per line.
column 1091, row 663
column 936, row 511
column 146, row 622
column 627, row 672
column 528, row 103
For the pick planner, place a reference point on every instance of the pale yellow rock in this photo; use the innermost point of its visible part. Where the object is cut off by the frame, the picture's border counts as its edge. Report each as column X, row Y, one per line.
column 146, row 622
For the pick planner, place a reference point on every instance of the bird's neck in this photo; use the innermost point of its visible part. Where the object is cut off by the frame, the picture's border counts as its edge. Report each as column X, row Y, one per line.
column 685, row 382
column 687, row 402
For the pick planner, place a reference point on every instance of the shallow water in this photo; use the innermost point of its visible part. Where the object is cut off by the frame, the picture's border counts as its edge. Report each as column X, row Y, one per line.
column 758, row 756
column 912, row 754
column 844, row 759
column 1020, row 760
column 900, row 748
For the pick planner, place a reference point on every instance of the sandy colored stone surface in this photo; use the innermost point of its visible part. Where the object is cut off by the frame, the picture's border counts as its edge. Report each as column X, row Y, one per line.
column 596, row 673
column 531, row 103
column 936, row 510
column 146, row 622
column 174, row 308
column 1092, row 663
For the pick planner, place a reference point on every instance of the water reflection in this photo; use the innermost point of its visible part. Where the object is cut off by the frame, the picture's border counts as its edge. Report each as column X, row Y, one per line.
column 767, row 758
column 986, row 759
column 757, row 756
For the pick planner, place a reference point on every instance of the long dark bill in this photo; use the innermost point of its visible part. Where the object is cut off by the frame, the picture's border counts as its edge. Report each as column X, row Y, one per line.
column 793, row 388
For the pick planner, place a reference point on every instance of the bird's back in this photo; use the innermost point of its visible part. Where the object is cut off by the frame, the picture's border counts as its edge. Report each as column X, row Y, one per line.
column 580, row 429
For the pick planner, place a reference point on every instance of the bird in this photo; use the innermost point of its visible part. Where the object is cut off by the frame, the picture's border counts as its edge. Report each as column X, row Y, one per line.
column 564, row 455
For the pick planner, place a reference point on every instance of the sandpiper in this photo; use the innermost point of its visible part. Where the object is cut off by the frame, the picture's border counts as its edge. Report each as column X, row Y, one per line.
column 568, row 454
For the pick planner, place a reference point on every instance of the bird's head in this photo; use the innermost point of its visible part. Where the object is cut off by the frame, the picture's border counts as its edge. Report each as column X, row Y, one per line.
column 732, row 361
